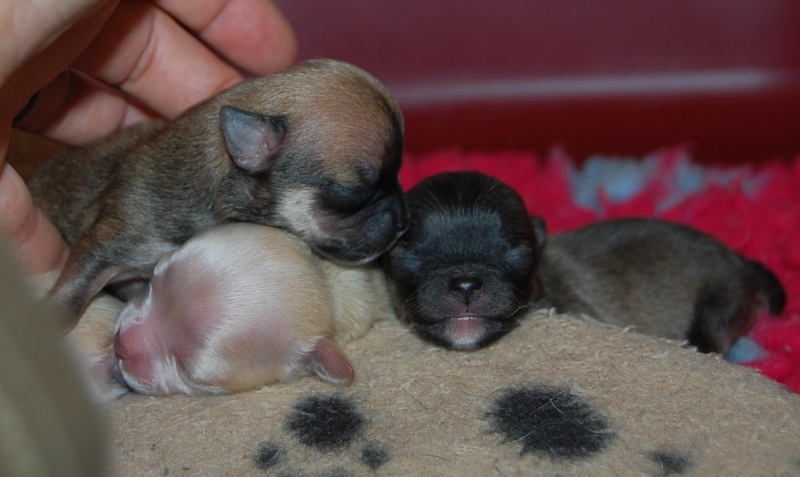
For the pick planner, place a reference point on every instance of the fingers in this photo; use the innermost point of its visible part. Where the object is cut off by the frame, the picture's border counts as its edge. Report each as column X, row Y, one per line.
column 145, row 53
column 253, row 34
column 75, row 109
column 160, row 66
column 40, row 39
column 31, row 26
column 44, row 51
column 33, row 238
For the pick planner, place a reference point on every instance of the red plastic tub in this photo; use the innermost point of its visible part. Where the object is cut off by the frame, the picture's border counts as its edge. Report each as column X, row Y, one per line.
column 614, row 77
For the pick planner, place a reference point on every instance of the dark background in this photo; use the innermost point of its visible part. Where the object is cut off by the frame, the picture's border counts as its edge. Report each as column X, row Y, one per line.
column 621, row 77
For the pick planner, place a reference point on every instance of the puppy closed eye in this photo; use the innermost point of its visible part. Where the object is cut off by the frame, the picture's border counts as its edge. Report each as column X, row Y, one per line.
column 372, row 185
column 369, row 176
column 347, row 198
column 521, row 259
column 404, row 265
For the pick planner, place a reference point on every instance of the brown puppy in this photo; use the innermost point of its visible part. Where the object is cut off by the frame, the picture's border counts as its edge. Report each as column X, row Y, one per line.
column 314, row 149
column 241, row 306
column 662, row 278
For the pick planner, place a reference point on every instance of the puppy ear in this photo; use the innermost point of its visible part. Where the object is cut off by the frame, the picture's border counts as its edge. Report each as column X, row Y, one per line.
column 539, row 231
column 252, row 139
column 330, row 364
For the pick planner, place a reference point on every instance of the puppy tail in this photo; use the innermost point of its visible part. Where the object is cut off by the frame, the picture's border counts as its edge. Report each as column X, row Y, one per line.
column 769, row 286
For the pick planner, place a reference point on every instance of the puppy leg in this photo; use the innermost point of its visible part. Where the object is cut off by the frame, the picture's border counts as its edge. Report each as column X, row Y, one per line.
column 719, row 314
column 771, row 289
column 724, row 312
column 92, row 264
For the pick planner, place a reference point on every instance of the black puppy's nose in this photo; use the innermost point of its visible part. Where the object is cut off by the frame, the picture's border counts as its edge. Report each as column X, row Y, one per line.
column 468, row 287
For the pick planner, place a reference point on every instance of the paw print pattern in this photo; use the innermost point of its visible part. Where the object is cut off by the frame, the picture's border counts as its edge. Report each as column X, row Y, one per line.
column 268, row 455
column 550, row 422
column 329, row 424
column 325, row 423
column 670, row 462
column 327, row 435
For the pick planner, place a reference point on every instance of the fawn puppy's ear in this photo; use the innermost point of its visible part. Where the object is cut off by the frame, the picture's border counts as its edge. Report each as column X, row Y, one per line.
column 252, row 140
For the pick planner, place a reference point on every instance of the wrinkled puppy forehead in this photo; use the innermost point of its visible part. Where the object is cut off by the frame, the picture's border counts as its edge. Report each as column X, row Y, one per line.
column 460, row 236
column 359, row 124
column 332, row 111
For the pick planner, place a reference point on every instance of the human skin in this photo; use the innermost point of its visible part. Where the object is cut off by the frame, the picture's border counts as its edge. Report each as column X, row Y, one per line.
column 99, row 66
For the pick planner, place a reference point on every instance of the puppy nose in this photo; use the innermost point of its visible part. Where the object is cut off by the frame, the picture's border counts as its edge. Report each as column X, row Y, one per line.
column 468, row 287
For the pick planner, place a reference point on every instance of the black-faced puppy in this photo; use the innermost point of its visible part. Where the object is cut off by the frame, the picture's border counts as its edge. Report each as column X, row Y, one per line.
column 465, row 269
column 314, row 149
column 663, row 278
column 241, row 306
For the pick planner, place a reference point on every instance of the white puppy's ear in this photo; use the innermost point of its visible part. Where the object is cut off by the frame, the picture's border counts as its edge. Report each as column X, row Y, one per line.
column 329, row 363
column 252, row 140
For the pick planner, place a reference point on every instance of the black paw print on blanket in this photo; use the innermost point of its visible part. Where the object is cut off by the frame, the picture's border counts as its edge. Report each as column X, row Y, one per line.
column 329, row 424
column 552, row 422
column 541, row 420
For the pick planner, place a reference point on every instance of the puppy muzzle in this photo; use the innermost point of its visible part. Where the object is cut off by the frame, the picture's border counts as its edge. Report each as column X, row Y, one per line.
column 363, row 245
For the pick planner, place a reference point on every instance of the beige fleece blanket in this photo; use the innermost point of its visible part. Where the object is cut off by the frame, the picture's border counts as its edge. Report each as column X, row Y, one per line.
column 561, row 395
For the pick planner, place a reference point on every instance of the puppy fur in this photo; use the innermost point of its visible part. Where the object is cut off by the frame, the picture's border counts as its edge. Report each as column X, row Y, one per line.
column 465, row 270
column 242, row 306
column 314, row 149
column 659, row 277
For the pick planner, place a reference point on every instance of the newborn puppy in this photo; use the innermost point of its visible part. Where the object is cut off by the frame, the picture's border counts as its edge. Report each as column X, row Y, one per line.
column 241, row 306
column 314, row 149
column 663, row 278
column 465, row 269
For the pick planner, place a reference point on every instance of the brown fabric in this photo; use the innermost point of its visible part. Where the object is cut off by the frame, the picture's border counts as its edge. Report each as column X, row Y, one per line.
column 667, row 411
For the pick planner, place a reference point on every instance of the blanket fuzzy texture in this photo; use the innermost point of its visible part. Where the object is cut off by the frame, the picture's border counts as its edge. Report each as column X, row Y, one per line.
column 560, row 395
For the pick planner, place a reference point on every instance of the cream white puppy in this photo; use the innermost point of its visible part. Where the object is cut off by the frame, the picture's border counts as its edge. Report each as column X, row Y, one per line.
column 241, row 306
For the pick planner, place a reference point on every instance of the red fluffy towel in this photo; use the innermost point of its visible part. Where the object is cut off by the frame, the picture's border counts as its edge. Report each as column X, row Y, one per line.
column 750, row 208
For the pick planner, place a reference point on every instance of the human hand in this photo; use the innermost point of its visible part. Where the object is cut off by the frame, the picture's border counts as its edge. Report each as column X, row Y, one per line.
column 101, row 65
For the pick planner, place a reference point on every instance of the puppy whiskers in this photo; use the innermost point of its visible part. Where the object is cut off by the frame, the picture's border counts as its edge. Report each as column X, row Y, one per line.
column 519, row 308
